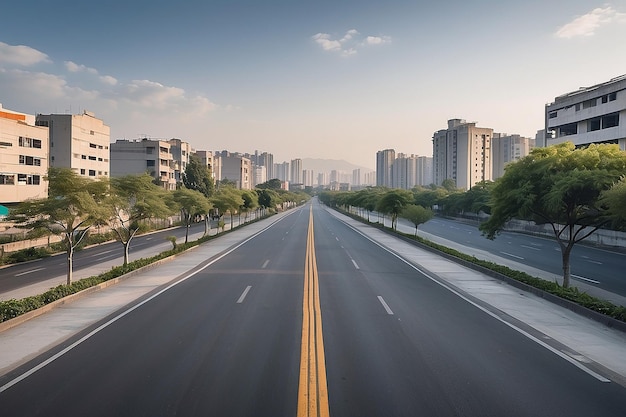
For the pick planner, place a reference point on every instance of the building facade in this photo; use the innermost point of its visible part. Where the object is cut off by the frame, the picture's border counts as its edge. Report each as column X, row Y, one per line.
column 235, row 168
column 506, row 149
column 462, row 153
column 23, row 158
column 595, row 114
column 295, row 177
column 384, row 162
column 152, row 156
column 79, row 142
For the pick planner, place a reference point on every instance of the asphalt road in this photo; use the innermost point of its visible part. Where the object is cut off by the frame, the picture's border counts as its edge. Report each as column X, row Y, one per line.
column 227, row 341
column 599, row 267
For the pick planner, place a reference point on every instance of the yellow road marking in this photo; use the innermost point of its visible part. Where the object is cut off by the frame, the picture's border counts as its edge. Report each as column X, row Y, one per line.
column 312, row 389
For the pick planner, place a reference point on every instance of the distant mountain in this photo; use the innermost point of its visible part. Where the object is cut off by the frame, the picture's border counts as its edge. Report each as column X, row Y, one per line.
column 328, row 165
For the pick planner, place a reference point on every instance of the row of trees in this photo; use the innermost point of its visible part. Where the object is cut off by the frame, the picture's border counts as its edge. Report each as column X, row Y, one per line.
column 75, row 205
column 574, row 190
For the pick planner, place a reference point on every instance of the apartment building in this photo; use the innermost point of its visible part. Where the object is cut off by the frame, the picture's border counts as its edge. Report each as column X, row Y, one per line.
column 384, row 162
column 233, row 167
column 296, row 172
column 462, row 152
column 206, row 159
column 281, row 171
column 79, row 142
column 507, row 148
column 595, row 114
column 24, row 156
column 152, row 156
column 424, row 170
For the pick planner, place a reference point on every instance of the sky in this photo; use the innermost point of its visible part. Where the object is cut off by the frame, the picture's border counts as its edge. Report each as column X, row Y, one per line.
column 306, row 79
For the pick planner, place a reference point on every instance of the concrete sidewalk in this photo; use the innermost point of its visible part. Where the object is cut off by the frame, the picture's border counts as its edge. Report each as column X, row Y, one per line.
column 582, row 341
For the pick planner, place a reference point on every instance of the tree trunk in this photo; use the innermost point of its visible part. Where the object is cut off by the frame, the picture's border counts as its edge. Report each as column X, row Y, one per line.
column 126, row 251
column 70, row 262
column 565, row 255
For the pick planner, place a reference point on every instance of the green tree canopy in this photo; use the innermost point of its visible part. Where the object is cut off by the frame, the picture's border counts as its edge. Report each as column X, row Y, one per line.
column 192, row 203
column 560, row 186
column 135, row 198
column 393, row 202
column 273, row 184
column 73, row 206
column 198, row 177
column 417, row 215
column 614, row 199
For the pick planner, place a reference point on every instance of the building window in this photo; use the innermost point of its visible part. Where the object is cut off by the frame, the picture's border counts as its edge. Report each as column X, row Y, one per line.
column 93, row 145
column 82, row 171
column 92, row 158
column 29, row 160
column 83, row 157
column 604, row 98
column 610, row 120
column 29, row 142
column 149, row 150
column 613, row 96
column 590, row 103
column 92, row 172
column 24, row 179
column 593, row 124
column 150, row 163
column 7, row 179
column 577, row 106
column 569, row 129
column 552, row 115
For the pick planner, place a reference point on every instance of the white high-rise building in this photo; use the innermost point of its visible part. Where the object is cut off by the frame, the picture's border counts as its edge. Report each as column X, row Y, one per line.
column 23, row 158
column 296, row 172
column 462, row 153
column 79, row 142
column 234, row 167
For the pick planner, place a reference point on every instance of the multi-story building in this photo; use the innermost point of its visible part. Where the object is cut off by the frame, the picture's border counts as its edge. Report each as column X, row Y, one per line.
column 152, row 156
column 296, row 172
column 424, row 170
column 506, row 149
column 206, row 158
column 23, row 158
column 462, row 153
column 281, row 171
column 264, row 160
column 181, row 152
column 259, row 175
column 370, row 178
column 356, row 177
column 384, row 162
column 322, row 179
column 307, row 177
column 595, row 114
column 79, row 142
column 233, row 167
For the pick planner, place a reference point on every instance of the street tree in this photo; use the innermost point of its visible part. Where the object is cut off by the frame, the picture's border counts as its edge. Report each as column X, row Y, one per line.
column 135, row 198
column 198, row 177
column 393, row 202
column 614, row 199
column 192, row 204
column 74, row 205
column 560, row 186
column 417, row 215
column 273, row 184
column 227, row 200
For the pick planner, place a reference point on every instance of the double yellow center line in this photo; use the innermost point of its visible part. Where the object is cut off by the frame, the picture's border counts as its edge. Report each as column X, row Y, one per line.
column 312, row 390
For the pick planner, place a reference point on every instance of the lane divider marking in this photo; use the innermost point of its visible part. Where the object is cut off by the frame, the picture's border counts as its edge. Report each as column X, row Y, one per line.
column 243, row 295
column 312, row 388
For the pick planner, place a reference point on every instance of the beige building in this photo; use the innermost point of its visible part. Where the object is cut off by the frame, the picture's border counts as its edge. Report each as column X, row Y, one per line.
column 164, row 160
column 23, row 157
column 506, row 149
column 462, row 153
column 79, row 142
column 206, row 158
column 233, row 167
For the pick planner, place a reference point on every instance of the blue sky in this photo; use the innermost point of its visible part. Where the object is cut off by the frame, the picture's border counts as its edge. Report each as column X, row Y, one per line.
column 325, row 79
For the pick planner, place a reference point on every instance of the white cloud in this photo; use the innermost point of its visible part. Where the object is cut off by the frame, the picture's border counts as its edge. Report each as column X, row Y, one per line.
column 377, row 40
column 79, row 68
column 21, row 55
column 350, row 43
column 107, row 79
column 587, row 24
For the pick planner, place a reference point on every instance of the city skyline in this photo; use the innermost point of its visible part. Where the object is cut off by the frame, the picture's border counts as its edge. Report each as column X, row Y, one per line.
column 330, row 80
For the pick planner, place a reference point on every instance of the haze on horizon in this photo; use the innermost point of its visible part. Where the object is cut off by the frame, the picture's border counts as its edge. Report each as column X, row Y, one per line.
column 332, row 80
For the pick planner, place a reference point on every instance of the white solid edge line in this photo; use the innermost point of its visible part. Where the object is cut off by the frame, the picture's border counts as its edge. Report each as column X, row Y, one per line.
column 355, row 264
column 528, row 335
column 387, row 309
column 125, row 312
column 243, row 295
